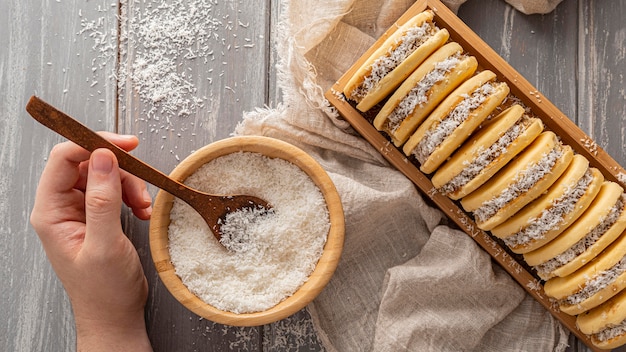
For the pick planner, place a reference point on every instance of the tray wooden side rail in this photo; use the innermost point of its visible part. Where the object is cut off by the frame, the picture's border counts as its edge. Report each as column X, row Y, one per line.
column 522, row 90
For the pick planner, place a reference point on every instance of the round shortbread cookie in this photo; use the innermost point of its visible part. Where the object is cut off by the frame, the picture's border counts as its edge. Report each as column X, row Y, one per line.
column 542, row 220
column 455, row 119
column 524, row 179
column 594, row 283
column 388, row 66
column 593, row 231
column 606, row 324
column 486, row 152
column 423, row 90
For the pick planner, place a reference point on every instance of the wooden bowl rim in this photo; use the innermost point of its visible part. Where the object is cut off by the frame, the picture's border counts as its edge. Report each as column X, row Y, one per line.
column 324, row 269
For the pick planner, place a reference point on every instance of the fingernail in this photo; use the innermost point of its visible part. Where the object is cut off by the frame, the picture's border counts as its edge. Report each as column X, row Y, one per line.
column 101, row 163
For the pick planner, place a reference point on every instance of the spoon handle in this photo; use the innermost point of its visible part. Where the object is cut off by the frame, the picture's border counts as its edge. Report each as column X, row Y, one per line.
column 78, row 133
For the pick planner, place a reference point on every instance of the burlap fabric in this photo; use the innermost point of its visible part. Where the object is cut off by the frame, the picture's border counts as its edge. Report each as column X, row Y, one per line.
column 406, row 280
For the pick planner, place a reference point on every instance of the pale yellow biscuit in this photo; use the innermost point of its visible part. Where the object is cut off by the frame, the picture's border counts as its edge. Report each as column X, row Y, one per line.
column 596, row 229
column 486, row 152
column 398, row 56
column 524, row 179
column 542, row 220
column 455, row 119
column 606, row 324
column 423, row 90
column 594, row 283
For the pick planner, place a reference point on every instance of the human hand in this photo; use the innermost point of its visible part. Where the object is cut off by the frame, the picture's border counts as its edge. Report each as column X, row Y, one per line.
column 77, row 217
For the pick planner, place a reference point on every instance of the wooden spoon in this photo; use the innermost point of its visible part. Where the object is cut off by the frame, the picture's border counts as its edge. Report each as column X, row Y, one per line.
column 212, row 208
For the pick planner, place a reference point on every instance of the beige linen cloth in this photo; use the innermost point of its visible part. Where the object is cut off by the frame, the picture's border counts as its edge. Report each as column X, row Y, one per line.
column 406, row 280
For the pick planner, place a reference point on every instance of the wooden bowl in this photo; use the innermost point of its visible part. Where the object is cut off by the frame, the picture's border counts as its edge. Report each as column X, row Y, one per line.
column 318, row 279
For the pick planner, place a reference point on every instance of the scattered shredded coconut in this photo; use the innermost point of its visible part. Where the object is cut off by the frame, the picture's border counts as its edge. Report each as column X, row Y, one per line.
column 278, row 251
column 418, row 95
column 164, row 35
column 586, row 242
column 590, row 144
column 597, row 283
column 402, row 48
column 553, row 216
column 521, row 184
column 438, row 133
column 156, row 41
column 486, row 157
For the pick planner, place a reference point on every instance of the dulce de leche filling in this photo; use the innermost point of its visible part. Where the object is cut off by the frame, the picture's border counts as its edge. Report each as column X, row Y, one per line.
column 419, row 94
column 553, row 216
column 610, row 332
column 596, row 283
column 403, row 48
column 522, row 183
column 437, row 134
column 586, row 242
column 486, row 157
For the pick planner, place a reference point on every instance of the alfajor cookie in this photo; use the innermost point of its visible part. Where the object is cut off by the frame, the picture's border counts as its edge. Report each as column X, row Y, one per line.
column 455, row 119
column 520, row 182
column 487, row 151
column 423, row 90
column 606, row 324
column 592, row 284
column 395, row 60
column 546, row 217
column 597, row 228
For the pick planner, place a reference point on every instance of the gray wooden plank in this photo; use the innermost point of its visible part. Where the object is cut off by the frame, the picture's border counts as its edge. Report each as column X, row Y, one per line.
column 274, row 94
column 602, row 71
column 540, row 47
column 44, row 53
column 229, row 76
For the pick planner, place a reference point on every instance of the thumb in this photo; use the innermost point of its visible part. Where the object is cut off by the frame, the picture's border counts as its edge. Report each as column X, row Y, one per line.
column 103, row 199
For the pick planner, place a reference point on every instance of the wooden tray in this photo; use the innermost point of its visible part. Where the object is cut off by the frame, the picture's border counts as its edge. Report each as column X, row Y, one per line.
column 522, row 90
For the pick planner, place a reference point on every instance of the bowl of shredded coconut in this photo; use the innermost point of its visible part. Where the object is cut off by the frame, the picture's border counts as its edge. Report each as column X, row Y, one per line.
column 266, row 266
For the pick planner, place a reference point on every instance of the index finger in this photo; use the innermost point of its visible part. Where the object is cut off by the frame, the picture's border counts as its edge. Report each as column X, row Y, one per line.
column 62, row 170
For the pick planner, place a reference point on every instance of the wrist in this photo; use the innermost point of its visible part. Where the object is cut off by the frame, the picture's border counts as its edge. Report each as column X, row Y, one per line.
column 125, row 333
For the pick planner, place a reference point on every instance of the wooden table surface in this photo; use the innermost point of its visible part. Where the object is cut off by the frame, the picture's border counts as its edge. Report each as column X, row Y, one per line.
column 70, row 54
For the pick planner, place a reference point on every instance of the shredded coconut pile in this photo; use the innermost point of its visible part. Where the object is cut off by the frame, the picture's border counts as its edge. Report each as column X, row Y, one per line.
column 597, row 283
column 438, row 133
column 237, row 228
column 553, row 216
column 522, row 183
column 586, row 242
column 402, row 48
column 418, row 95
column 486, row 156
column 278, row 250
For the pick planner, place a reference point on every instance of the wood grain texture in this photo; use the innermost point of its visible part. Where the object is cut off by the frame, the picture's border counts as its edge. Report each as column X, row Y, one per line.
column 47, row 56
column 601, row 72
column 230, row 82
column 66, row 52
